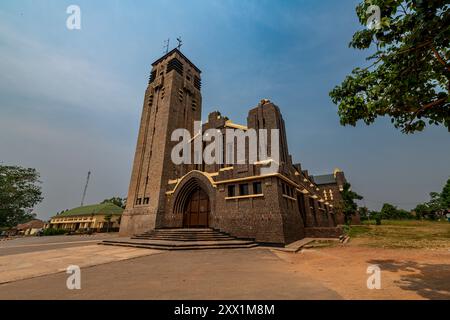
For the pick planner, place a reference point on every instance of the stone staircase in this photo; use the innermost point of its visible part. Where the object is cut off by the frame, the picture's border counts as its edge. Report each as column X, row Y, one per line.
column 183, row 239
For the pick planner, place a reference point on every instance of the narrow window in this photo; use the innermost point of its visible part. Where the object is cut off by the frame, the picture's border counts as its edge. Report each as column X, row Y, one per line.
column 146, row 200
column 231, row 191
column 243, row 189
column 257, row 188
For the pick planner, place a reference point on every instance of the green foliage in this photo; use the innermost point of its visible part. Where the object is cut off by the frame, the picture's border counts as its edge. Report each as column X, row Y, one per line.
column 422, row 210
column 349, row 205
column 120, row 202
column 409, row 76
column 363, row 213
column 445, row 196
column 438, row 204
column 378, row 219
column 54, row 232
column 19, row 193
column 346, row 229
column 390, row 212
column 375, row 215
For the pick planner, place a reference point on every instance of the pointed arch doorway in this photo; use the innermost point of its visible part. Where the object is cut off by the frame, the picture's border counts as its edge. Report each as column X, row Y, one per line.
column 196, row 213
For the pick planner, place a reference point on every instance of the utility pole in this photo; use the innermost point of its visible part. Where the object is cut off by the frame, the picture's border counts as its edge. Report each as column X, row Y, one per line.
column 85, row 188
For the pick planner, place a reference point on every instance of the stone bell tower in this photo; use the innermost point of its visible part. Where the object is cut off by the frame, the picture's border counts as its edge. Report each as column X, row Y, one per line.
column 172, row 101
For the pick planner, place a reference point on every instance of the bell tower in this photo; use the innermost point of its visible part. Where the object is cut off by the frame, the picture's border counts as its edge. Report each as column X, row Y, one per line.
column 172, row 100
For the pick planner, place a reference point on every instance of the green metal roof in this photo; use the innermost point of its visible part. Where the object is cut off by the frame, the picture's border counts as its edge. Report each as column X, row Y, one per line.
column 325, row 179
column 96, row 209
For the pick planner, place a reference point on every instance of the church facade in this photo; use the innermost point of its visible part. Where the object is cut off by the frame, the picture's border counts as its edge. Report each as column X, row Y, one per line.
column 241, row 198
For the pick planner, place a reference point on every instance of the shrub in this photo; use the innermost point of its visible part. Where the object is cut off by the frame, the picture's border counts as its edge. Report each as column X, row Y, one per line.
column 54, row 232
column 392, row 212
column 377, row 216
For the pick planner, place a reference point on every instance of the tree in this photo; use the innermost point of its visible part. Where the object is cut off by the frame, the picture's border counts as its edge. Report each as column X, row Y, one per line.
column 364, row 213
column 445, row 196
column 19, row 193
column 422, row 211
column 118, row 201
column 349, row 205
column 377, row 216
column 389, row 211
column 408, row 79
column 108, row 218
column 437, row 206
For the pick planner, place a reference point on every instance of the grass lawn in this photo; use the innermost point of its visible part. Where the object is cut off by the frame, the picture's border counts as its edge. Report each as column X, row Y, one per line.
column 402, row 234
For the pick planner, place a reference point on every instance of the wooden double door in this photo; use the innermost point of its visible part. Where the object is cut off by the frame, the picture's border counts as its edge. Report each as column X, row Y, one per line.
column 197, row 210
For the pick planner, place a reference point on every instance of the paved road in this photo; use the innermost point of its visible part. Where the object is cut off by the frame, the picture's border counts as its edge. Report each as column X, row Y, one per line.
column 33, row 244
column 204, row 274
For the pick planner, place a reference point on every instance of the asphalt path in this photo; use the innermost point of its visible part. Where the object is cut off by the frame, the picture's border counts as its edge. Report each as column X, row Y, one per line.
column 34, row 244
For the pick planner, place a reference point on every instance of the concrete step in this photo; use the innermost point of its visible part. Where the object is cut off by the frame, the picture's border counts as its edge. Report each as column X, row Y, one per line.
column 184, row 229
column 156, row 247
column 307, row 243
column 185, row 233
column 183, row 239
column 181, row 235
column 179, row 245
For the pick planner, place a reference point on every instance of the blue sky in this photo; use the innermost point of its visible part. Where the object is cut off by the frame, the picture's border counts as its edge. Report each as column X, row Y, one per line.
column 70, row 101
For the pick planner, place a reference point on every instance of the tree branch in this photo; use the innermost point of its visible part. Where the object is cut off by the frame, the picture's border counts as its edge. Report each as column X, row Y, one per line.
column 432, row 104
column 439, row 58
column 426, row 107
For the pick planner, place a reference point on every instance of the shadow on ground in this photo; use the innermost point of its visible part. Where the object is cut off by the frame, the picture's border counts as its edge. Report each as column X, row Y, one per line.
column 431, row 281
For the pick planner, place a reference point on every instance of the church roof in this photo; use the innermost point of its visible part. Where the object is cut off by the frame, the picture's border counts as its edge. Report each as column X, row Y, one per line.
column 33, row 224
column 324, row 179
column 96, row 209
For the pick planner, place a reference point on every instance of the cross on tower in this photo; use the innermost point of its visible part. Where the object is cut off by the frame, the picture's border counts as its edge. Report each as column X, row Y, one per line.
column 180, row 43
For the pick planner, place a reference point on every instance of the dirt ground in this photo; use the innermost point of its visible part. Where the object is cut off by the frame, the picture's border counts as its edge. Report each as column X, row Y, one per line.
column 236, row 274
column 405, row 273
column 333, row 272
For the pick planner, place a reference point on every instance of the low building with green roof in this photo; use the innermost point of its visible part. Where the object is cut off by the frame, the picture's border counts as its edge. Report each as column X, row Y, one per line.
column 96, row 218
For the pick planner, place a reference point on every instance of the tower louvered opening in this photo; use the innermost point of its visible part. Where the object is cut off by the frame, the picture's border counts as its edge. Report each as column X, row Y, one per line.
column 176, row 65
column 197, row 83
column 152, row 76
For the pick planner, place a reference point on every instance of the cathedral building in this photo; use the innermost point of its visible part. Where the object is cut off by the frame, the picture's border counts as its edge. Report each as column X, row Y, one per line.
column 240, row 198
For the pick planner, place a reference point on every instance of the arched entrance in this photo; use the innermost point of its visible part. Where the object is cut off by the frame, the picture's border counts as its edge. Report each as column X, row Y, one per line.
column 196, row 212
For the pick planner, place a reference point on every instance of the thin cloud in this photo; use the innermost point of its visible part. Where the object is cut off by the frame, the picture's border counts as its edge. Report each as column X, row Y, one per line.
column 47, row 73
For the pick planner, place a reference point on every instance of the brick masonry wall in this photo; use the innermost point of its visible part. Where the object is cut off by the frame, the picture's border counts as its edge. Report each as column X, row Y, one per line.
column 319, row 232
column 171, row 102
